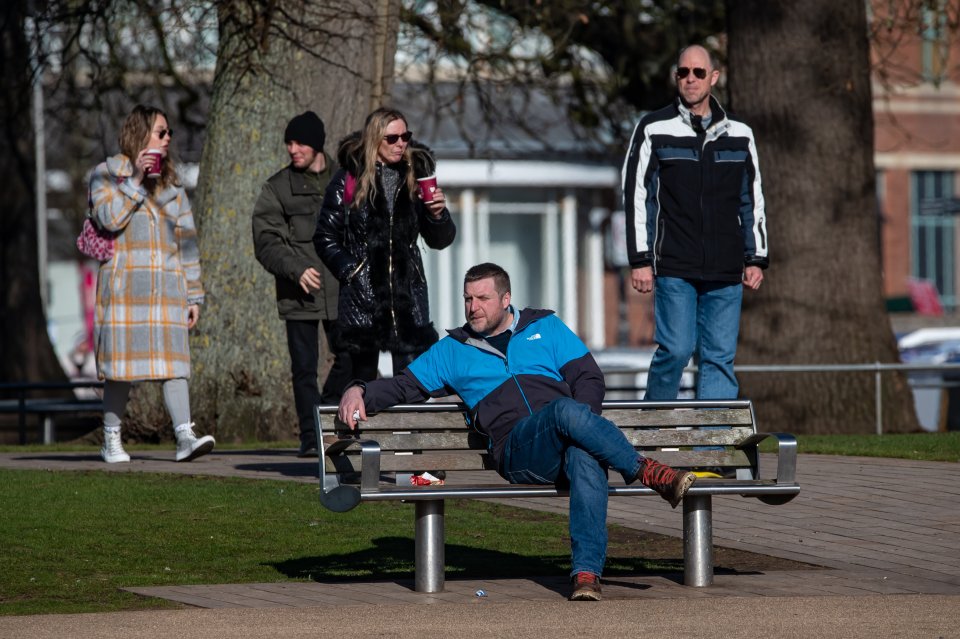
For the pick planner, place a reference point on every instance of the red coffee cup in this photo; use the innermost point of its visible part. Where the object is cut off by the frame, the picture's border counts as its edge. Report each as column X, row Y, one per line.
column 427, row 186
column 155, row 167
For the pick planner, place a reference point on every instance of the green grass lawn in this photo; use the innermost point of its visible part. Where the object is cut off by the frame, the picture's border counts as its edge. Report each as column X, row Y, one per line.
column 921, row 446
column 70, row 540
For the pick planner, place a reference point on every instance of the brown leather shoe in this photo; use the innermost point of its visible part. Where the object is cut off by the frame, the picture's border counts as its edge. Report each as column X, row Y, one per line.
column 668, row 483
column 586, row 587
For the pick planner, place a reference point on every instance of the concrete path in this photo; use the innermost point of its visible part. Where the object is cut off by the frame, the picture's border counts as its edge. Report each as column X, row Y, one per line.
column 887, row 530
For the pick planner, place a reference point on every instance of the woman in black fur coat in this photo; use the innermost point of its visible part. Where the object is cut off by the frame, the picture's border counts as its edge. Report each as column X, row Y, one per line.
column 368, row 234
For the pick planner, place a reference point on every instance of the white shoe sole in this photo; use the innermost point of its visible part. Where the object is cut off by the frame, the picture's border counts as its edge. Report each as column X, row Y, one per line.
column 114, row 459
column 203, row 446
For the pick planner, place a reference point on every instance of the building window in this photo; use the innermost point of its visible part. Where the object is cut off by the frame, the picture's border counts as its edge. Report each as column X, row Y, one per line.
column 936, row 44
column 933, row 231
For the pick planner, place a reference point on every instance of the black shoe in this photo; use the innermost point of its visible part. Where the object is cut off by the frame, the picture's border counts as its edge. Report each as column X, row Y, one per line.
column 308, row 449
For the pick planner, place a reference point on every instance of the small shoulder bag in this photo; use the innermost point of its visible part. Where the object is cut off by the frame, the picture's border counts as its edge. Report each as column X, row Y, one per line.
column 93, row 241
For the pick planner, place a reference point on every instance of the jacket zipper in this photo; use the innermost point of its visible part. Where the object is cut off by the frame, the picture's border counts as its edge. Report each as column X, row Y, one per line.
column 506, row 366
column 393, row 312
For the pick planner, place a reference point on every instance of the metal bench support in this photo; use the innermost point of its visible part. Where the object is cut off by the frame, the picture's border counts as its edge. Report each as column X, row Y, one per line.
column 697, row 540
column 429, row 539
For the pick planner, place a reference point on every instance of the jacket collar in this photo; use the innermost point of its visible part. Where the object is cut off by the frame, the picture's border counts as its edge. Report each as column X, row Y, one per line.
column 718, row 117
column 467, row 335
column 300, row 185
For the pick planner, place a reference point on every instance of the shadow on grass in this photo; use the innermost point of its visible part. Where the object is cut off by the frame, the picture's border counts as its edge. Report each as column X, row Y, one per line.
column 285, row 468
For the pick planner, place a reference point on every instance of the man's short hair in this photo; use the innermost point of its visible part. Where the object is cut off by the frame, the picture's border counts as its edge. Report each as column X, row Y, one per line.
column 501, row 281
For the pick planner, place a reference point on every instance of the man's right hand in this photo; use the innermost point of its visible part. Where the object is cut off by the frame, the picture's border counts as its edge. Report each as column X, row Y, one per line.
column 642, row 279
column 351, row 403
column 310, row 280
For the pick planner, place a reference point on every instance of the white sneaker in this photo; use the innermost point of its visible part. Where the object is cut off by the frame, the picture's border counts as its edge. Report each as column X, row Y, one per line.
column 188, row 446
column 112, row 450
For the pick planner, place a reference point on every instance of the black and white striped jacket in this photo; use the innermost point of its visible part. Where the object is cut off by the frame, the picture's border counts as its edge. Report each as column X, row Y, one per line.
column 693, row 201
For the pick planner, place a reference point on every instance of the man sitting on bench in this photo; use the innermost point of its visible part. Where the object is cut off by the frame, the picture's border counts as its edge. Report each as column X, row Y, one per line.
column 533, row 388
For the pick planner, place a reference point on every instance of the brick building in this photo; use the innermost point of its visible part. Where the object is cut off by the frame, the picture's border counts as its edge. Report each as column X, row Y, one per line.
column 916, row 85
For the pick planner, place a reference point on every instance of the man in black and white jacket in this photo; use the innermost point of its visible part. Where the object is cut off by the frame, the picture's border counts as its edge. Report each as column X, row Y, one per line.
column 696, row 228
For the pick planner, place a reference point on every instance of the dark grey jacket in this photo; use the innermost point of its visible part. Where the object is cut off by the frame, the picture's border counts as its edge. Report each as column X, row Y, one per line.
column 284, row 220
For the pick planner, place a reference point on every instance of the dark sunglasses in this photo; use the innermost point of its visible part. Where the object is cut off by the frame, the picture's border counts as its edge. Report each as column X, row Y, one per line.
column 392, row 138
column 699, row 72
column 164, row 133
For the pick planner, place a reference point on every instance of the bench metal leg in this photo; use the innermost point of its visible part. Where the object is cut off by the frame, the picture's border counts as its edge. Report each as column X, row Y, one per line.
column 429, row 539
column 697, row 540
column 49, row 430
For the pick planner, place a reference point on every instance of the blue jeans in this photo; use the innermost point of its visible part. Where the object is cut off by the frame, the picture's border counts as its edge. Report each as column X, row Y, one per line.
column 694, row 315
column 567, row 444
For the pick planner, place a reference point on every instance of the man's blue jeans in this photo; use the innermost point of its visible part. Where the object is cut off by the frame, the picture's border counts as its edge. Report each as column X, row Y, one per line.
column 565, row 443
column 695, row 315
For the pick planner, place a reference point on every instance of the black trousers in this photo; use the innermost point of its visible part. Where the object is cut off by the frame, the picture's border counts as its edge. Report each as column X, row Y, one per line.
column 303, row 342
column 365, row 364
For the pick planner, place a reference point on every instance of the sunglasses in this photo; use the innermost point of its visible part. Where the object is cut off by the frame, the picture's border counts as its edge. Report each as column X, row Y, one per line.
column 392, row 138
column 699, row 72
column 161, row 134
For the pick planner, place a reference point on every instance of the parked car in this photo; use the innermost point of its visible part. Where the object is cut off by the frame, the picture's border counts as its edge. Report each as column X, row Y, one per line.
column 936, row 394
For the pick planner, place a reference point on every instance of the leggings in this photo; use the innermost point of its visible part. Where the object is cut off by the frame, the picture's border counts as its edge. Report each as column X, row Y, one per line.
column 176, row 397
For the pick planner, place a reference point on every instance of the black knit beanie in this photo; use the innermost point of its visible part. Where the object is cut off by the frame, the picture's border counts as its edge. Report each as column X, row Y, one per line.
column 306, row 128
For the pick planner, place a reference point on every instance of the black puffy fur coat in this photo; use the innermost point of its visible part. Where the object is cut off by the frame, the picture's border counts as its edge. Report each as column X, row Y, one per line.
column 383, row 303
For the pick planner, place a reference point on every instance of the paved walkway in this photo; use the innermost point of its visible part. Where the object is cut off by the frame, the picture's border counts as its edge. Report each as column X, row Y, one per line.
column 881, row 527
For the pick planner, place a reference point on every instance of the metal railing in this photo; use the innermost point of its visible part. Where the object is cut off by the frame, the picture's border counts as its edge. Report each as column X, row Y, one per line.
column 877, row 368
column 23, row 405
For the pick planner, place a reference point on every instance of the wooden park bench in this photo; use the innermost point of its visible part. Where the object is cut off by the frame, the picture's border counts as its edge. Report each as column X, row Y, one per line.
column 375, row 463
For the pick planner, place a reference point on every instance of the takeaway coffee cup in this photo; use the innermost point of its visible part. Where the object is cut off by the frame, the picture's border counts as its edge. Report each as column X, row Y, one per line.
column 155, row 166
column 427, row 186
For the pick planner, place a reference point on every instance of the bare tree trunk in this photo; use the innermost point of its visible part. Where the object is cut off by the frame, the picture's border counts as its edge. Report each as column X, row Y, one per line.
column 299, row 55
column 27, row 354
column 800, row 76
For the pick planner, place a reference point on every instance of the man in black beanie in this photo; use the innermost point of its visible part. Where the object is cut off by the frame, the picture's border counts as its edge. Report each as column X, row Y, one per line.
column 307, row 129
column 284, row 220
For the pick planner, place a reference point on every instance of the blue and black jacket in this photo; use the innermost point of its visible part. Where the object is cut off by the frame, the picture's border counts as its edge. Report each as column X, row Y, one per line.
column 693, row 198
column 544, row 361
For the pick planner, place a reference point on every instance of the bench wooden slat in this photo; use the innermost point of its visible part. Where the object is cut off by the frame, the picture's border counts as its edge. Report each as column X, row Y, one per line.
column 645, row 438
column 666, row 418
column 468, row 440
column 449, row 460
column 401, row 421
column 476, row 460
column 625, row 418
column 461, row 440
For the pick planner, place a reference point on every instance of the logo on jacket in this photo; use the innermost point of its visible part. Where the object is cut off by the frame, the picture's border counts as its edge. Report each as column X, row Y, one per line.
column 533, row 337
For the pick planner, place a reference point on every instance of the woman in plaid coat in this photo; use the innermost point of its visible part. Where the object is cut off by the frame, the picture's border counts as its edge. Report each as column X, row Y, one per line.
column 149, row 293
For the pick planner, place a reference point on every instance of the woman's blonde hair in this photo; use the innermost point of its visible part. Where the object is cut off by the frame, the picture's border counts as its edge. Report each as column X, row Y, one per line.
column 135, row 136
column 374, row 129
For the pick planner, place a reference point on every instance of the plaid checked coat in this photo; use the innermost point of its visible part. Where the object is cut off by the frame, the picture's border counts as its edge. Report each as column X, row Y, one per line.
column 144, row 290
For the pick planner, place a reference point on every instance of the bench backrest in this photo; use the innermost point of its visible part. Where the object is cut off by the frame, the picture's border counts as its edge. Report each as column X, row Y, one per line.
column 434, row 436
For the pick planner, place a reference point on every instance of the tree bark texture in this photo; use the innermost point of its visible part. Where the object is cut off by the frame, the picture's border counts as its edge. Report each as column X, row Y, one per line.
column 274, row 61
column 800, row 77
column 26, row 353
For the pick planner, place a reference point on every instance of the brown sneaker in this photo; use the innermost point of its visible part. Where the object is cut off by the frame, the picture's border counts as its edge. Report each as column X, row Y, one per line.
column 668, row 483
column 586, row 587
